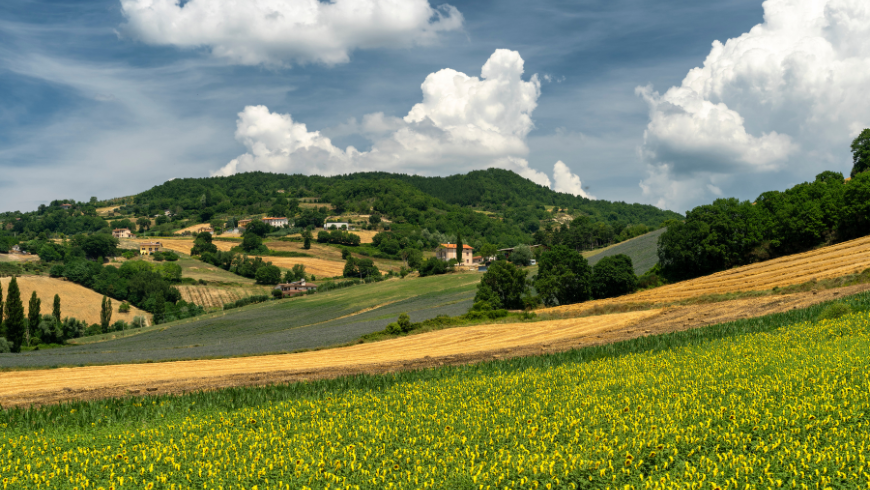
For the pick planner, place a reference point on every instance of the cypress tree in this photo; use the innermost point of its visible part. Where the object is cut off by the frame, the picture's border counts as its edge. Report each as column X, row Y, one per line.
column 33, row 313
column 159, row 308
column 105, row 314
column 2, row 325
column 459, row 248
column 56, row 310
column 14, row 316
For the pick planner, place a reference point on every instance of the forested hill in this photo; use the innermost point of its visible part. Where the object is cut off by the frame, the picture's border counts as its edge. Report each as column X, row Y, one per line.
column 496, row 189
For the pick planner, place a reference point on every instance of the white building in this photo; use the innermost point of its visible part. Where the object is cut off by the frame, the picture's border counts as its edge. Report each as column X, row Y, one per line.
column 336, row 226
column 276, row 222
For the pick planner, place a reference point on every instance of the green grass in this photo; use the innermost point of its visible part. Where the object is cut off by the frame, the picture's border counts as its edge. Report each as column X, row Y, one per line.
column 763, row 402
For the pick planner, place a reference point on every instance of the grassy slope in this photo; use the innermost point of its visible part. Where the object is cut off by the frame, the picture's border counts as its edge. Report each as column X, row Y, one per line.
column 307, row 322
column 747, row 400
column 642, row 250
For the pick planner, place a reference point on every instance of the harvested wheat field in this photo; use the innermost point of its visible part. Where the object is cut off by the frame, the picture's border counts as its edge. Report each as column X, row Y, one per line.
column 184, row 245
column 318, row 267
column 216, row 297
column 192, row 229
column 75, row 301
column 105, row 211
column 828, row 262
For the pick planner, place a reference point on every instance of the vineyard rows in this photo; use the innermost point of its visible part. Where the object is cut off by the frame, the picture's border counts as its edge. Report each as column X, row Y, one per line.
column 214, row 297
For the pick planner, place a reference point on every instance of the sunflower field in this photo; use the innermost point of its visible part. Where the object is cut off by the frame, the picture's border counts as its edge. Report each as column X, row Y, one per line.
column 780, row 402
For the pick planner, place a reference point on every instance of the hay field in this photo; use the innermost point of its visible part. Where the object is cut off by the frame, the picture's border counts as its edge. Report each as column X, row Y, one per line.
column 216, row 297
column 183, row 245
column 318, row 267
column 192, row 229
column 824, row 263
column 325, row 252
column 75, row 301
column 105, row 211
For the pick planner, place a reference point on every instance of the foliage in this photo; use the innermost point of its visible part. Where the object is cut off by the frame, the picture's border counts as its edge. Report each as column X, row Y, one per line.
column 521, row 255
column 613, row 276
column 250, row 300
column 502, row 286
column 563, row 277
column 433, row 266
column 202, row 244
column 297, row 273
column 338, row 237
column 105, row 314
column 258, row 228
column 33, row 315
column 360, row 268
column 14, row 320
column 861, row 153
column 268, row 274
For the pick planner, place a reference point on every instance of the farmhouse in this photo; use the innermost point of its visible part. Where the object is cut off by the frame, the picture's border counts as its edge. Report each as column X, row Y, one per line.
column 122, row 233
column 276, row 222
column 243, row 223
column 447, row 251
column 336, row 226
column 66, row 206
column 295, row 288
column 148, row 248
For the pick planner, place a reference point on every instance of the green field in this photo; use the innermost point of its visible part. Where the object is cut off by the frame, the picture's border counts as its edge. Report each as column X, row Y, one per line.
column 778, row 401
column 643, row 251
column 306, row 322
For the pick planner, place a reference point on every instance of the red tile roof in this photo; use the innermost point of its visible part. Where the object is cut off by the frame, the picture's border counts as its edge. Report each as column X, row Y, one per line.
column 453, row 245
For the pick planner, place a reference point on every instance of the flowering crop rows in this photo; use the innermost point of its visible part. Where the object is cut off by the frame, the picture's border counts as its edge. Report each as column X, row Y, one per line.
column 787, row 408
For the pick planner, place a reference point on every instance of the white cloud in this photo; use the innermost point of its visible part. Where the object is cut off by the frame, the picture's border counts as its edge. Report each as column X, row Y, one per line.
column 278, row 32
column 463, row 123
column 567, row 182
column 785, row 96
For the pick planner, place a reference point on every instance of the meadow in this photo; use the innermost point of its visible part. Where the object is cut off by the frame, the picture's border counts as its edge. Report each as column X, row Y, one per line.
column 777, row 401
column 306, row 322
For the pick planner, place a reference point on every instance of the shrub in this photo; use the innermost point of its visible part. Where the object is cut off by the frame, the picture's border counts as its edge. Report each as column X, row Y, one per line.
column 124, row 307
column 138, row 322
column 433, row 266
column 834, row 311
column 5, row 346
column 277, row 293
column 56, row 271
column 613, row 276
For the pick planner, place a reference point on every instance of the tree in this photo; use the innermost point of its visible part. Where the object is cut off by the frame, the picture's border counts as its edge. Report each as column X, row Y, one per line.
column 257, row 227
column 105, row 314
column 432, row 266
column 268, row 274
column 159, row 308
column 33, row 314
column 306, row 244
column 171, row 272
column 55, row 311
column 203, row 244
column 375, row 218
column 861, row 153
column 502, row 286
column 99, row 245
column 297, row 273
column 144, row 224
column 522, row 255
column 613, row 276
column 563, row 277
column 2, row 325
column 252, row 243
column 14, row 316
column 350, row 269
column 487, row 250
column 459, row 249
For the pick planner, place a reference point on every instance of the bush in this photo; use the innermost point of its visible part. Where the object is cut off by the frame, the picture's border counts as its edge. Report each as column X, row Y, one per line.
column 124, row 307
column 522, row 255
column 56, row 271
column 250, row 300
column 129, row 254
column 277, row 293
column 834, row 311
column 119, row 326
column 5, row 346
column 433, row 266
column 138, row 322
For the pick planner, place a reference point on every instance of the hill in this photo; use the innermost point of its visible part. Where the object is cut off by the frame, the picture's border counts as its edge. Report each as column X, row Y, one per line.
column 642, row 250
column 76, row 301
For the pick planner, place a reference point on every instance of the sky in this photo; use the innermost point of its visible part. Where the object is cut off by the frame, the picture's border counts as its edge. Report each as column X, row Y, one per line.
column 673, row 103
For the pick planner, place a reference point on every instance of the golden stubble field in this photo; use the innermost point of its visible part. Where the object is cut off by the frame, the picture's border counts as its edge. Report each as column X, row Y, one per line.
column 216, row 297
column 75, row 301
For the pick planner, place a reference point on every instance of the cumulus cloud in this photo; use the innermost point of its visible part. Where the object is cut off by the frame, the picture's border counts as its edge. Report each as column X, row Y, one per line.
column 279, row 32
column 567, row 182
column 463, row 123
column 785, row 96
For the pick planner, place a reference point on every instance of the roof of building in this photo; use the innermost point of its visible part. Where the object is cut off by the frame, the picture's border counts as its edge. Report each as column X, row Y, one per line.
column 453, row 245
column 268, row 219
column 145, row 244
column 121, row 229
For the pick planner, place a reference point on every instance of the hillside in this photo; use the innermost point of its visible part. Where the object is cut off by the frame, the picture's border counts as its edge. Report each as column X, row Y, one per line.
column 642, row 250
column 76, row 301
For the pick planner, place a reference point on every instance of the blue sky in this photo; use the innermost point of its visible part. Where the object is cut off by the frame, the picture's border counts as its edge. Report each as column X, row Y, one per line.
column 93, row 103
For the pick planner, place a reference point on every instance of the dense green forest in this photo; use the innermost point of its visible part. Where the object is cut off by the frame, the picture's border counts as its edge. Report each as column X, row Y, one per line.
column 493, row 205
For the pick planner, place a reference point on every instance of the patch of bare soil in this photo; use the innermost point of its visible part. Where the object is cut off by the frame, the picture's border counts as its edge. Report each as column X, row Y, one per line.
column 445, row 347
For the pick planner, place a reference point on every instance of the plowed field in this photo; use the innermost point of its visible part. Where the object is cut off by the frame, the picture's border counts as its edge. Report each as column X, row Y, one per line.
column 215, row 297
column 75, row 301
column 828, row 262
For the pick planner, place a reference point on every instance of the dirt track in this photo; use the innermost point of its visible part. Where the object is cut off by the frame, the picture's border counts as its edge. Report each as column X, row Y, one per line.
column 445, row 347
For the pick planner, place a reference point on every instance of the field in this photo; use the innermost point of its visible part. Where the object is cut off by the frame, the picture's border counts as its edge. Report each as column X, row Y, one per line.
column 779, row 401
column 643, row 251
column 307, row 322
column 192, row 229
column 183, row 245
column 824, row 263
column 75, row 301
column 325, row 261
column 216, row 297
column 106, row 210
